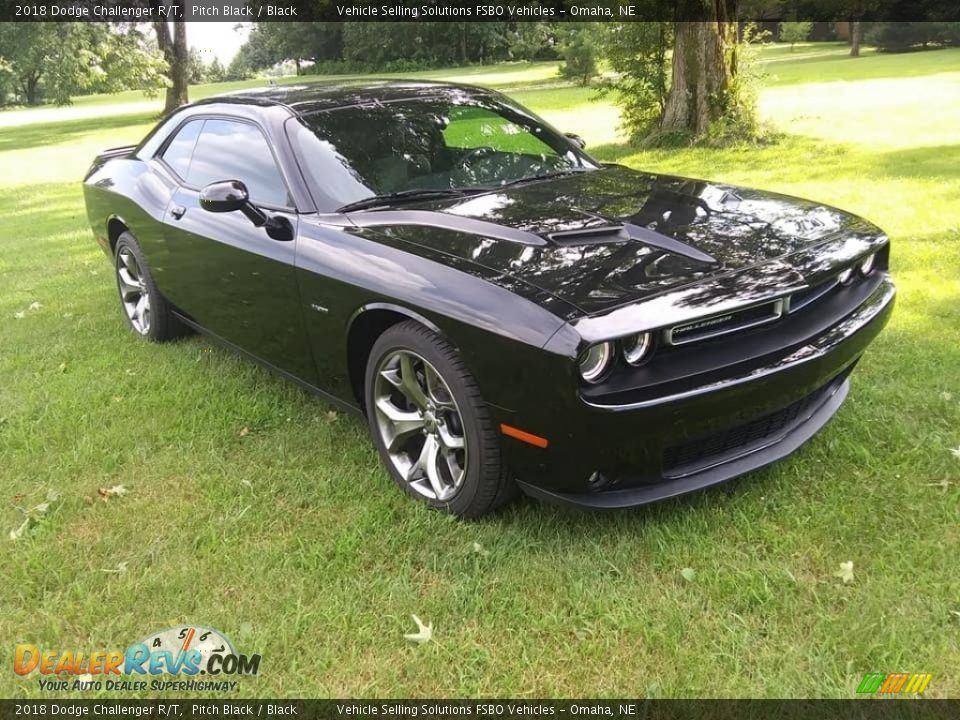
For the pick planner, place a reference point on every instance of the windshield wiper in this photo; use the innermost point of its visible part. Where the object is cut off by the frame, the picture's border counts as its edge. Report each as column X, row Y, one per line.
column 388, row 199
column 546, row 176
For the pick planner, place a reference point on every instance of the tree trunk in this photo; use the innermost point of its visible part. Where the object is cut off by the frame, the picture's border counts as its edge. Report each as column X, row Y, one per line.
column 175, row 52
column 30, row 89
column 701, row 69
column 855, row 34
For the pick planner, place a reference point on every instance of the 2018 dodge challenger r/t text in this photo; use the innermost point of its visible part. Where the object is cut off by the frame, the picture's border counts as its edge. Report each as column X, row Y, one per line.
column 504, row 311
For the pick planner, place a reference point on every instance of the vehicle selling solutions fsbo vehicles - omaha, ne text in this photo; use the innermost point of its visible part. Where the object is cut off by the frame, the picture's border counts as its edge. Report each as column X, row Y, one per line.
column 504, row 311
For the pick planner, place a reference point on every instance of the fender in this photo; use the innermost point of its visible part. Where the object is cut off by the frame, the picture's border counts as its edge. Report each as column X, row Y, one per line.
column 399, row 309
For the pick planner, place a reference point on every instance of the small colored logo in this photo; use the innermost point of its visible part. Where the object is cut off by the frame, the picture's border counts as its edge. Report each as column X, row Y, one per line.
column 186, row 651
column 894, row 683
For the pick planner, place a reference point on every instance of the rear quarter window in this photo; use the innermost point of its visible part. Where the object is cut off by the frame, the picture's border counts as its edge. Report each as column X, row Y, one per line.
column 180, row 150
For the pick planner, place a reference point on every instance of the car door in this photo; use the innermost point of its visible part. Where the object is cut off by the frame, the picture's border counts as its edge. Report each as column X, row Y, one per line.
column 226, row 274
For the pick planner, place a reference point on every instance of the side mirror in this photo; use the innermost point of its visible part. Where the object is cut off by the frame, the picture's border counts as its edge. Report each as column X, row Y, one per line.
column 225, row 196
column 231, row 195
column 577, row 140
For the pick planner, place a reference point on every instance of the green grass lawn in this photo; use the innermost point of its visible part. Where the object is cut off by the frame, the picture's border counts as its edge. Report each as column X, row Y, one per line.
column 254, row 508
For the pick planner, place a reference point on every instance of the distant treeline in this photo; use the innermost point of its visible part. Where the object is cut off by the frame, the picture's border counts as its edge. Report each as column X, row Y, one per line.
column 391, row 47
column 322, row 48
column 55, row 61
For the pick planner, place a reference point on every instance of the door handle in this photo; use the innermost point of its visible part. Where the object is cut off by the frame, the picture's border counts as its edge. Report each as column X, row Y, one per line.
column 177, row 211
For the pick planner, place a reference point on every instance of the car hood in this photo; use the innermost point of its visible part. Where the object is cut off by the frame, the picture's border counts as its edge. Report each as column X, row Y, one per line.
column 613, row 236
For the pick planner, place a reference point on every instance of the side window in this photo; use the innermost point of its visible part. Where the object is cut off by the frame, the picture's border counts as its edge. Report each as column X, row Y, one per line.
column 473, row 127
column 178, row 152
column 229, row 150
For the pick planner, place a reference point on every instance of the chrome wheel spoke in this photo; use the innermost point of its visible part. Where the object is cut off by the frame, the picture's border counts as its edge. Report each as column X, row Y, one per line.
column 436, row 389
column 130, row 263
column 392, row 376
column 409, row 383
column 128, row 284
column 418, row 471
column 404, row 424
column 453, row 466
column 448, row 440
column 426, row 469
column 140, row 309
column 440, row 488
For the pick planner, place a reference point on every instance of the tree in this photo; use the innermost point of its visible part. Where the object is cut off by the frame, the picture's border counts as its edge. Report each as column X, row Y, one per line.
column 240, row 67
column 270, row 43
column 47, row 59
column 578, row 48
column 57, row 60
column 853, row 11
column 794, row 32
column 530, row 40
column 196, row 67
column 127, row 59
column 6, row 80
column 216, row 72
column 173, row 45
column 704, row 64
column 638, row 53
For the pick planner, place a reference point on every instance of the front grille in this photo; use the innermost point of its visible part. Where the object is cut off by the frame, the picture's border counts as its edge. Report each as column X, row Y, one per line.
column 732, row 321
column 735, row 442
column 746, row 318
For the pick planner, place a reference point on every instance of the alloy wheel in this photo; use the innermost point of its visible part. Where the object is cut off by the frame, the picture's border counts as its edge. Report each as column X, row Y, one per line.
column 133, row 291
column 420, row 425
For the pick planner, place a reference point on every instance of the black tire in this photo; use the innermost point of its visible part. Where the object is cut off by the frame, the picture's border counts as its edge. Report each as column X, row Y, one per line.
column 162, row 325
column 486, row 485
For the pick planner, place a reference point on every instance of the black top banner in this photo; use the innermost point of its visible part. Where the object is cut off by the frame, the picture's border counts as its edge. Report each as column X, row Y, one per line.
column 473, row 10
column 892, row 709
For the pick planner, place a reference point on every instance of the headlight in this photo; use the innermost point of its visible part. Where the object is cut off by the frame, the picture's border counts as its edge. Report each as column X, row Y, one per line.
column 846, row 277
column 866, row 267
column 636, row 348
column 594, row 362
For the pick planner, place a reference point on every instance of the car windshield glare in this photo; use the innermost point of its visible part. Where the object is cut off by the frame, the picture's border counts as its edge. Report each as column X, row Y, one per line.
column 460, row 143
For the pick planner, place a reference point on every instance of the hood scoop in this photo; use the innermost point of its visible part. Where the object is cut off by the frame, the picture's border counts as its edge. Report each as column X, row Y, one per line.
column 625, row 232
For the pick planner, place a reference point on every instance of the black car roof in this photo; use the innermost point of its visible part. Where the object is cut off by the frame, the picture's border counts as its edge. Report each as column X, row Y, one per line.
column 327, row 94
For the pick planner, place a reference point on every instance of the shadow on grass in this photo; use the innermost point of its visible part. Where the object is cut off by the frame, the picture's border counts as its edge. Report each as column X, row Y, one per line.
column 58, row 207
column 66, row 131
column 935, row 161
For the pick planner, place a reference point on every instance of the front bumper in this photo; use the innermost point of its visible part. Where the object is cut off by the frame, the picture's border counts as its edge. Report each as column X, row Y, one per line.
column 678, row 443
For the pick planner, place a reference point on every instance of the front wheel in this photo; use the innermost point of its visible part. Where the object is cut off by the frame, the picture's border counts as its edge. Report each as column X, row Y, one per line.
column 430, row 424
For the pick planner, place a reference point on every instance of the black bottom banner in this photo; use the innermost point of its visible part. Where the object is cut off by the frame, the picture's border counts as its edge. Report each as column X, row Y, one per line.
column 892, row 709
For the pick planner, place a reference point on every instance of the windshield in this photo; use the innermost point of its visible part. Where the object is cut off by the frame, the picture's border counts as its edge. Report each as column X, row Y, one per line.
column 450, row 143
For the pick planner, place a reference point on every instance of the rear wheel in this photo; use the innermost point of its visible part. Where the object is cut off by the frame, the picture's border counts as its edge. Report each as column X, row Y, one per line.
column 430, row 424
column 147, row 312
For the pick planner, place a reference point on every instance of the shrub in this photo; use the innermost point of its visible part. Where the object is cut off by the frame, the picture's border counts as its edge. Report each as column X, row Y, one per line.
column 794, row 32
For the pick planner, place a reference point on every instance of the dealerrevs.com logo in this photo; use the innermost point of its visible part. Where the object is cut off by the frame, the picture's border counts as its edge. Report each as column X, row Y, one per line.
column 197, row 657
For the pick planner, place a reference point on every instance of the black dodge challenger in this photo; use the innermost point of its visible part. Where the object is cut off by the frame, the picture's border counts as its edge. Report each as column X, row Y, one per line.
column 504, row 311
